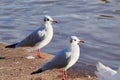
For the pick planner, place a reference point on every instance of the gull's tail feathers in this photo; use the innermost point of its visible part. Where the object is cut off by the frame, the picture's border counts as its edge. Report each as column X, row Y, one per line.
column 11, row 46
column 36, row 72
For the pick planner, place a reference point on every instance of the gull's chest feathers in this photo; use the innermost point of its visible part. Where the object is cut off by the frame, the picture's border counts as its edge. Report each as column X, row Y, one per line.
column 46, row 34
column 75, row 51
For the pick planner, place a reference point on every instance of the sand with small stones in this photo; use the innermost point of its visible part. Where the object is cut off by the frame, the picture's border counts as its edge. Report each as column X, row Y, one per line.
column 15, row 66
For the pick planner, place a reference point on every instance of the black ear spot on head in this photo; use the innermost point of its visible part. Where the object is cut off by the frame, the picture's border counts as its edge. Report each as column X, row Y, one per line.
column 71, row 41
column 44, row 19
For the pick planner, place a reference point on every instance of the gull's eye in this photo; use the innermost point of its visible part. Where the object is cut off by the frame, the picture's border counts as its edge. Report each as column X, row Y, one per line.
column 74, row 39
column 46, row 19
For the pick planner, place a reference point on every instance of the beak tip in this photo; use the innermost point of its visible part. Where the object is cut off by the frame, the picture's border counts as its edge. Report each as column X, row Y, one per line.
column 82, row 41
column 54, row 21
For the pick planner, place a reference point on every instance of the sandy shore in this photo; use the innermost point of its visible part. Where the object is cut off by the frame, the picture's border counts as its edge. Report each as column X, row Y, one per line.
column 15, row 66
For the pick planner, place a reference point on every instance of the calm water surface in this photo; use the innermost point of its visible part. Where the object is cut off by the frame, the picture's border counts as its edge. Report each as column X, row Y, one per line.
column 95, row 22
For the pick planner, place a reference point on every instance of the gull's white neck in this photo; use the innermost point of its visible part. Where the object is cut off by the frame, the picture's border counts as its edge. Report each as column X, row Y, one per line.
column 48, row 26
column 75, row 48
column 75, row 53
column 48, row 34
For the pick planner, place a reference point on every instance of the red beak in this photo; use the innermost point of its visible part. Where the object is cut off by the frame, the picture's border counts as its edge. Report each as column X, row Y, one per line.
column 54, row 21
column 81, row 41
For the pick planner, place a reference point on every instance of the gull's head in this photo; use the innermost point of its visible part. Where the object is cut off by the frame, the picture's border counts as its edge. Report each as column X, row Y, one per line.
column 75, row 40
column 49, row 19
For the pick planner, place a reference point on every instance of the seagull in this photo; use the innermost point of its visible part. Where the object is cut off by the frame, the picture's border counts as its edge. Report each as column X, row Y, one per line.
column 106, row 73
column 65, row 59
column 38, row 38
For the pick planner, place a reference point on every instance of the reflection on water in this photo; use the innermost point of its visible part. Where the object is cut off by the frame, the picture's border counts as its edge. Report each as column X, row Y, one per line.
column 94, row 21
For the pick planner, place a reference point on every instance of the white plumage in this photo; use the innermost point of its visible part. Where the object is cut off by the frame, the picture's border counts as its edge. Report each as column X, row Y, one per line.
column 65, row 59
column 106, row 73
column 38, row 38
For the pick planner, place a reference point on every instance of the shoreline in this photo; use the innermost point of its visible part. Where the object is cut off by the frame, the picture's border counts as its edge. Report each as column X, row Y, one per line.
column 15, row 66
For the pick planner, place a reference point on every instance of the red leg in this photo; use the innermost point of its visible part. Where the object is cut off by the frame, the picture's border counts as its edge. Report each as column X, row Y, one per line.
column 64, row 75
column 39, row 54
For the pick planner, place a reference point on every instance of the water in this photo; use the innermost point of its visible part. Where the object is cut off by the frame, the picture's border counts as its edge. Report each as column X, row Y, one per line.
column 91, row 20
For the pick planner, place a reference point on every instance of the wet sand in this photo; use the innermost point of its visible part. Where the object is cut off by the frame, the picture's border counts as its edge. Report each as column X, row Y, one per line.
column 15, row 66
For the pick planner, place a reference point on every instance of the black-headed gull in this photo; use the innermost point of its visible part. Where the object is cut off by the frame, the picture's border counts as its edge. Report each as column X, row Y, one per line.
column 38, row 38
column 65, row 59
column 106, row 73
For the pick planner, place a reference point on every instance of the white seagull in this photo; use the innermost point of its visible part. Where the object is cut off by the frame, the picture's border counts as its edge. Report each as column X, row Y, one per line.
column 38, row 38
column 65, row 59
column 106, row 73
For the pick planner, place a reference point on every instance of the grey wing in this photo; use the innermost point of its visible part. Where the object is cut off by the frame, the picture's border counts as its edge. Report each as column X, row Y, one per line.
column 34, row 38
column 59, row 61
